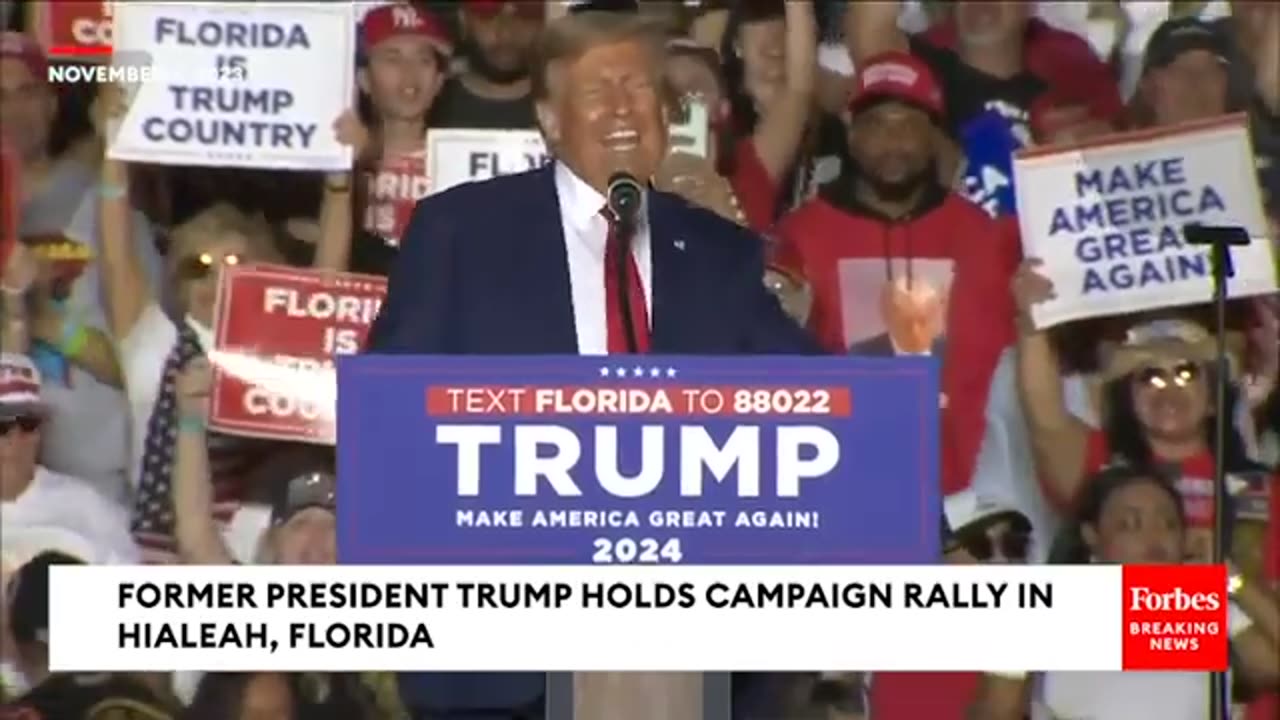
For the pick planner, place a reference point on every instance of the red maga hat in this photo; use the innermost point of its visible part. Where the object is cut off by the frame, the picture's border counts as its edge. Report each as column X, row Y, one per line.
column 897, row 76
column 397, row 19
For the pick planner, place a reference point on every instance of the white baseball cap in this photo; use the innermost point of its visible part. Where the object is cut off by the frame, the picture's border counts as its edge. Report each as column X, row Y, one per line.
column 967, row 508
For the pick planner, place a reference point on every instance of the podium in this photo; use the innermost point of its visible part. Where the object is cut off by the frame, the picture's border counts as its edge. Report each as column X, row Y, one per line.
column 638, row 696
column 578, row 462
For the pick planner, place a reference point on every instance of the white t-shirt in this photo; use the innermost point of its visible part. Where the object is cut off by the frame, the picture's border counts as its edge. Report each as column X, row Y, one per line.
column 59, row 512
column 1128, row 695
column 87, row 432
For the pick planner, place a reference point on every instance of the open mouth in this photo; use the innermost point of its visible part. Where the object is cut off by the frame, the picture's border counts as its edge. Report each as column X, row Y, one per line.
column 622, row 140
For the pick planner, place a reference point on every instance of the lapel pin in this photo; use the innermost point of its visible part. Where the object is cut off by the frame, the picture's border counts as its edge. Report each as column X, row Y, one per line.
column 679, row 244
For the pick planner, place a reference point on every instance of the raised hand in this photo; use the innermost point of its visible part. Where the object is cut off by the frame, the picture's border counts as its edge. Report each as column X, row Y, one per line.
column 192, row 388
column 1030, row 288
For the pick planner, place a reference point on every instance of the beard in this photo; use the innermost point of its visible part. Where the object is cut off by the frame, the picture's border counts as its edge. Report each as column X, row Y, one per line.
column 480, row 65
column 901, row 189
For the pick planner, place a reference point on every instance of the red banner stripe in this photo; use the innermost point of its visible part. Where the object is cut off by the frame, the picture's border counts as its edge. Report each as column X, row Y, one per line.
column 79, row 50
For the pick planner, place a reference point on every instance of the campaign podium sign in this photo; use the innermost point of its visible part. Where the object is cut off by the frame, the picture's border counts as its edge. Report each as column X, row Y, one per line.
column 648, row 460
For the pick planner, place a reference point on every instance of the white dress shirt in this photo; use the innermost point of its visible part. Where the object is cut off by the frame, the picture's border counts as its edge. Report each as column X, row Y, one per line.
column 585, row 235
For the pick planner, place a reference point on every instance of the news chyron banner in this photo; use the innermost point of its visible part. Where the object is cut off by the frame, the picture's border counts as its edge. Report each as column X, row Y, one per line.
column 675, row 618
column 1107, row 218
column 277, row 331
column 567, row 460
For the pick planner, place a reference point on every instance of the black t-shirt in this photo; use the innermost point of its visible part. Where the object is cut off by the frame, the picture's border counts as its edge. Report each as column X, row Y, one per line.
column 969, row 92
column 77, row 696
column 458, row 107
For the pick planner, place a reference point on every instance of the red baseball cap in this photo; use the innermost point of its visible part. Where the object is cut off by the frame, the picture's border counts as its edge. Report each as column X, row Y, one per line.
column 485, row 9
column 397, row 19
column 25, row 49
column 897, row 76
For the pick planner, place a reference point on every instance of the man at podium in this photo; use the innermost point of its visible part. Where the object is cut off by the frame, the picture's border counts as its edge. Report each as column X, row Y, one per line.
column 579, row 257
column 533, row 263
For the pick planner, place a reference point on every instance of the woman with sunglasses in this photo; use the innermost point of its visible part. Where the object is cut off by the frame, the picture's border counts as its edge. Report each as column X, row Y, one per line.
column 1134, row 515
column 156, row 340
column 1157, row 406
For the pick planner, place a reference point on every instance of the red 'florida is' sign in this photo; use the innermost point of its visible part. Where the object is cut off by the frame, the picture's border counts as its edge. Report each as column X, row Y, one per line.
column 80, row 28
column 277, row 330
column 392, row 192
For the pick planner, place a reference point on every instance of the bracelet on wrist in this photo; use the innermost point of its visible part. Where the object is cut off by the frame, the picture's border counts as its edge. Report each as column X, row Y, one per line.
column 193, row 424
column 107, row 191
column 75, row 336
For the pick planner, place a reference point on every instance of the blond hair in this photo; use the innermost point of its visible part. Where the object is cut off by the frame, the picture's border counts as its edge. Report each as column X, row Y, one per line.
column 216, row 221
column 569, row 37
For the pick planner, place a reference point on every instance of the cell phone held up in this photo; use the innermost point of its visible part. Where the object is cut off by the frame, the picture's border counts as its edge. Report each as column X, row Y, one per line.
column 690, row 128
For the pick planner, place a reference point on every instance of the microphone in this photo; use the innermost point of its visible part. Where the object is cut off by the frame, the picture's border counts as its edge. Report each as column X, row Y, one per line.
column 624, row 196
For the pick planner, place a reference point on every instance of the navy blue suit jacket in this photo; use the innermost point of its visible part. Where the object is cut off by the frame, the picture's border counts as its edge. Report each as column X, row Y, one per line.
column 483, row 270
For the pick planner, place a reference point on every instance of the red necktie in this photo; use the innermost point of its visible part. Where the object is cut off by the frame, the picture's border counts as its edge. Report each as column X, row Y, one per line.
column 613, row 304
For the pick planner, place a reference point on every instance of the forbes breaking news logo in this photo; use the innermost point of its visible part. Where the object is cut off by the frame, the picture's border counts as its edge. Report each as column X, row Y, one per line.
column 1175, row 617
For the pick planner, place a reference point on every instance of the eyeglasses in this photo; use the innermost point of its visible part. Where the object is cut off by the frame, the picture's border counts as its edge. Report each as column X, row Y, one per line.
column 1180, row 375
column 24, row 423
column 199, row 266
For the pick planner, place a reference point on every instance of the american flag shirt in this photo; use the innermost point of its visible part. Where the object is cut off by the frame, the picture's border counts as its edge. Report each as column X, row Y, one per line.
column 229, row 460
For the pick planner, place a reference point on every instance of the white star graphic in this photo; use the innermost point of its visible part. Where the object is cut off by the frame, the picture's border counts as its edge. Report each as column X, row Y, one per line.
column 604, row 372
column 671, row 372
column 637, row 371
column 655, row 372
column 621, row 372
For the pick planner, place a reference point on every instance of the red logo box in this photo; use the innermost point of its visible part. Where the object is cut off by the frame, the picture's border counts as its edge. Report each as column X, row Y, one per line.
column 1175, row 617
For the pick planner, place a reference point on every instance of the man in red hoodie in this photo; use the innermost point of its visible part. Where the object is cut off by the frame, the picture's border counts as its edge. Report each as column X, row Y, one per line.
column 888, row 222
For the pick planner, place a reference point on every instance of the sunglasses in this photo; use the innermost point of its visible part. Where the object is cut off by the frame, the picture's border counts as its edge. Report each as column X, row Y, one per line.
column 198, row 267
column 1180, row 375
column 24, row 423
column 1012, row 544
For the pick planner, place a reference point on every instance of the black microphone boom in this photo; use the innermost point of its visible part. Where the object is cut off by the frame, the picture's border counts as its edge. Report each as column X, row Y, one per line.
column 624, row 197
column 1220, row 240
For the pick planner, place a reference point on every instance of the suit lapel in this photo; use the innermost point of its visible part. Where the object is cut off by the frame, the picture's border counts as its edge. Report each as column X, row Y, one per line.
column 542, row 265
column 670, row 269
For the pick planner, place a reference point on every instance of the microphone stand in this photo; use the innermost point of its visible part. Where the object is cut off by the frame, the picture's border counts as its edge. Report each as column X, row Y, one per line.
column 626, row 230
column 1219, row 239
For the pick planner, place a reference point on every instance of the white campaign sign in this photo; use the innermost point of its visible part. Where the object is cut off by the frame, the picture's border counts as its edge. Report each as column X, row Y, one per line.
column 1107, row 219
column 460, row 156
column 240, row 84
